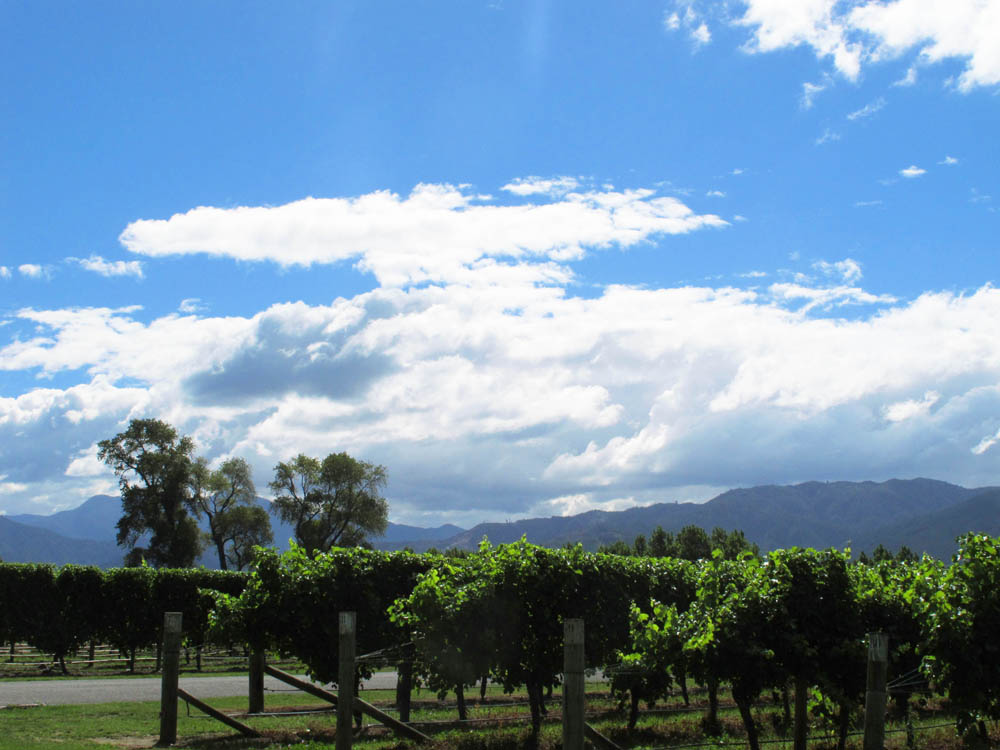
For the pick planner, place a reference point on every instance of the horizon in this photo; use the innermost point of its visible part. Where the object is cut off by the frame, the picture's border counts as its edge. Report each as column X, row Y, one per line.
column 533, row 259
column 3, row 513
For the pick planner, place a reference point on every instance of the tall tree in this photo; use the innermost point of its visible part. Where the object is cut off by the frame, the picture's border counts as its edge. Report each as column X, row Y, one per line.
column 153, row 464
column 334, row 502
column 242, row 528
column 218, row 495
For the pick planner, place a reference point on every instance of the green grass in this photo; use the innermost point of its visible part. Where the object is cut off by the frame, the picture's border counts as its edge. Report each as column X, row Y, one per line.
column 135, row 725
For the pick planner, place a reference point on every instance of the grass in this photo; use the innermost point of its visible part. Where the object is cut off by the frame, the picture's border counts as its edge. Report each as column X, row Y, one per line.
column 136, row 725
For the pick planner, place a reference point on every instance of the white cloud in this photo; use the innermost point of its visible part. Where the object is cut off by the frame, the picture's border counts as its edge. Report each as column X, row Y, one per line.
column 191, row 305
column 903, row 410
column 715, row 194
column 689, row 20
column 852, row 35
column 500, row 398
column 828, row 136
column 867, row 204
column 437, row 233
column 701, row 35
column 909, row 79
column 868, row 110
column 912, row 171
column 986, row 443
column 809, row 93
column 848, row 270
column 541, row 186
column 5, row 273
column 108, row 268
column 9, row 488
column 949, row 161
column 86, row 464
column 33, row 270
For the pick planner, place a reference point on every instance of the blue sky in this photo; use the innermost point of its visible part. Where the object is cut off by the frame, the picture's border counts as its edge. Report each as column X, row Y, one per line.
column 534, row 257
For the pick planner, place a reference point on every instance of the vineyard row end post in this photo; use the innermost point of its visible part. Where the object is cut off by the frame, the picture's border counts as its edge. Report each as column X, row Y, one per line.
column 345, row 678
column 573, row 685
column 875, row 693
column 172, row 625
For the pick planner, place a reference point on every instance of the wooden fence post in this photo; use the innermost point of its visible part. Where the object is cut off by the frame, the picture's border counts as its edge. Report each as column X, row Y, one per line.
column 345, row 680
column 256, row 696
column 573, row 687
column 875, row 694
column 800, row 732
column 172, row 623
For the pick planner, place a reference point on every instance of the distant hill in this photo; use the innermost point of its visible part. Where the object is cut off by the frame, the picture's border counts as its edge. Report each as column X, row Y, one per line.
column 812, row 514
column 86, row 535
column 94, row 519
column 22, row 543
column 934, row 533
column 924, row 514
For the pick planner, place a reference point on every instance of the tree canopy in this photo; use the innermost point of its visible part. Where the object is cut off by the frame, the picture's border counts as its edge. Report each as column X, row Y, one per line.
column 334, row 502
column 165, row 489
column 153, row 465
column 225, row 497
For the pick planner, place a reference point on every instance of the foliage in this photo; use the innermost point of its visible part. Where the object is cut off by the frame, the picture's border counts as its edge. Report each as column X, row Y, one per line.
column 153, row 465
column 333, row 502
column 962, row 615
column 225, row 497
column 291, row 603
column 240, row 530
column 690, row 543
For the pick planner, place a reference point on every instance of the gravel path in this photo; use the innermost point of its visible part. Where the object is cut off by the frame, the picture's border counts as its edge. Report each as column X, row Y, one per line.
column 96, row 690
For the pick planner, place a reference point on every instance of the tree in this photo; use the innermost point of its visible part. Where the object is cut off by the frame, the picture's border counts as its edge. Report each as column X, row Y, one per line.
column 333, row 502
column 223, row 496
column 153, row 464
column 660, row 543
column 693, row 543
column 241, row 529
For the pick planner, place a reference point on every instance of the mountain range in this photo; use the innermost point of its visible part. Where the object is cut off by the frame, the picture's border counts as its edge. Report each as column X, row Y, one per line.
column 924, row 514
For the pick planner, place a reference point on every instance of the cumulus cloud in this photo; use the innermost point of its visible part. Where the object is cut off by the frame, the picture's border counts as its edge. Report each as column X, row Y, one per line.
column 902, row 410
column 949, row 161
column 109, row 268
column 701, row 35
column 33, row 270
column 852, row 35
column 437, row 233
column 5, row 273
column 500, row 401
column 912, row 171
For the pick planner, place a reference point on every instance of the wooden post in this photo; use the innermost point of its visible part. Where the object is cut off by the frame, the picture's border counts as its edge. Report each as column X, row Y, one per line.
column 172, row 622
column 573, row 685
column 800, row 733
column 404, row 688
column 875, row 693
column 345, row 680
column 256, row 695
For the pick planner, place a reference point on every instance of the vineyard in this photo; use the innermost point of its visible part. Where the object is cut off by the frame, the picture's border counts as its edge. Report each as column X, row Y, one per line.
column 788, row 631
